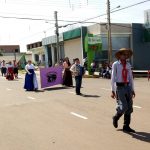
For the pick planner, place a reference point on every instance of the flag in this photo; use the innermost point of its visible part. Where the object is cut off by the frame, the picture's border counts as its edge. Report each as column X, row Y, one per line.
column 22, row 62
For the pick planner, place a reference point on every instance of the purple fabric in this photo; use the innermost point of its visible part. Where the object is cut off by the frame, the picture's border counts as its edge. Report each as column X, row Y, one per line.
column 51, row 76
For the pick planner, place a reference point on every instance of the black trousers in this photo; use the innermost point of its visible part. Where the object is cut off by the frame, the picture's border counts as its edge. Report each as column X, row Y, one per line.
column 78, row 80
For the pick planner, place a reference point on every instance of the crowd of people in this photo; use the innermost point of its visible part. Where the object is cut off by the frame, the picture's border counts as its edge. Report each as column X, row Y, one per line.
column 9, row 69
column 69, row 70
column 120, row 72
column 104, row 68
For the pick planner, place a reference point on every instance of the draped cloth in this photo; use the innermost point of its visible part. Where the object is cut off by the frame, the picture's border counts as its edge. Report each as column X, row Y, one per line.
column 124, row 71
column 31, row 81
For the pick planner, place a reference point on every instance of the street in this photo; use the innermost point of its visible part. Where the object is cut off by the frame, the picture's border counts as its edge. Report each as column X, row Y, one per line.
column 57, row 119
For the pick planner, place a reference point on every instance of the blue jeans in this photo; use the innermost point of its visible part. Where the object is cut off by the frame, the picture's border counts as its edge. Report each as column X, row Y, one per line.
column 78, row 80
column 124, row 100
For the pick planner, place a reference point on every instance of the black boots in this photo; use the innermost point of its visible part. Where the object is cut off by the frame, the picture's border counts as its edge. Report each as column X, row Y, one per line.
column 126, row 127
column 115, row 120
column 127, row 119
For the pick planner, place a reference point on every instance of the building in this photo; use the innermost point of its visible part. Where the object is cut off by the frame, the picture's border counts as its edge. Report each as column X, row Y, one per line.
column 5, row 49
column 73, row 42
column 123, row 35
column 52, row 56
column 37, row 50
column 9, row 52
column 141, row 47
column 120, row 36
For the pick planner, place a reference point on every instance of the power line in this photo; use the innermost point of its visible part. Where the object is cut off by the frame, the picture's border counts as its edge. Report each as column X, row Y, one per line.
column 74, row 22
column 130, row 6
column 118, row 9
column 111, row 12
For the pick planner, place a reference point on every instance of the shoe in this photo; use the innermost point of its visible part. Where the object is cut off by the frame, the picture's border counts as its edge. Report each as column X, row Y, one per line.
column 128, row 129
column 35, row 89
column 79, row 94
column 115, row 122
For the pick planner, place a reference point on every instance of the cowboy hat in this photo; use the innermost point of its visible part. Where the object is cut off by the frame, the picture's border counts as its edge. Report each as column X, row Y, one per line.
column 122, row 51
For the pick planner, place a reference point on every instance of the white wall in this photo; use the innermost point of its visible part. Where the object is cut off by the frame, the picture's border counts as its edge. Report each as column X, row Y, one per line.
column 73, row 49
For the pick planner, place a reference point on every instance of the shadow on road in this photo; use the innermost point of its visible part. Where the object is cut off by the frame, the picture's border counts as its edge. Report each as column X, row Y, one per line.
column 142, row 136
column 38, row 91
column 87, row 95
column 55, row 88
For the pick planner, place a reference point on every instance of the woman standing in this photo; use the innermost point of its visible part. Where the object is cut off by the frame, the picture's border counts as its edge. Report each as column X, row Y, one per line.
column 10, row 72
column 30, row 77
column 67, row 76
column 15, row 69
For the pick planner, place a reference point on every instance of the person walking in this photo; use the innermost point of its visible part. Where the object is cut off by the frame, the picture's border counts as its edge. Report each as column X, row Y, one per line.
column 78, row 72
column 123, row 88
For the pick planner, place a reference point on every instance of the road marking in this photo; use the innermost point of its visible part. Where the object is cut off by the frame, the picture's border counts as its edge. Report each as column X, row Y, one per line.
column 137, row 107
column 77, row 115
column 106, row 89
column 30, row 97
column 8, row 89
column 71, row 92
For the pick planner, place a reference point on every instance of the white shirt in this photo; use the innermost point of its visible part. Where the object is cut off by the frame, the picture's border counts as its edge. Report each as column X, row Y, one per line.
column 3, row 65
column 116, row 75
column 9, row 66
column 76, row 69
column 29, row 66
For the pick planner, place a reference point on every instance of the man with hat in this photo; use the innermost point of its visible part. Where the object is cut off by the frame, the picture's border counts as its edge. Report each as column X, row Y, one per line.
column 123, row 88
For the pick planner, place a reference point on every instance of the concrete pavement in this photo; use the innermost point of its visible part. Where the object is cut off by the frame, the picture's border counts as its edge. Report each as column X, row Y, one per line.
column 57, row 119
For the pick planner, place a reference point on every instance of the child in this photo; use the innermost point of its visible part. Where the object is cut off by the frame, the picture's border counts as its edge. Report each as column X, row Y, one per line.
column 78, row 72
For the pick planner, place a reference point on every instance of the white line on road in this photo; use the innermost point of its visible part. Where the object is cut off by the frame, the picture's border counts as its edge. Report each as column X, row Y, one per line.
column 106, row 89
column 137, row 106
column 77, row 115
column 30, row 97
column 8, row 89
column 71, row 92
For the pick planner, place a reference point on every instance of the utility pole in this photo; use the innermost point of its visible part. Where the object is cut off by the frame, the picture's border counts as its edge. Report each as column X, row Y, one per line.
column 57, row 35
column 109, row 32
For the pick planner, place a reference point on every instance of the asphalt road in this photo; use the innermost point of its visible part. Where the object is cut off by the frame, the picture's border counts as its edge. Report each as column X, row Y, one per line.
column 57, row 119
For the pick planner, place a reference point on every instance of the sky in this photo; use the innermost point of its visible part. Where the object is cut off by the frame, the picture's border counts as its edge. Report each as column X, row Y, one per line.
column 41, row 23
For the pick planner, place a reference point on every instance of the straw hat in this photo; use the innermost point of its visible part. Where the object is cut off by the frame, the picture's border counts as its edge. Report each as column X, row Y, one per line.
column 122, row 51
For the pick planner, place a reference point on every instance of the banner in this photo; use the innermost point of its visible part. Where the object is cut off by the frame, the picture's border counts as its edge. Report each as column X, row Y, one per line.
column 51, row 76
